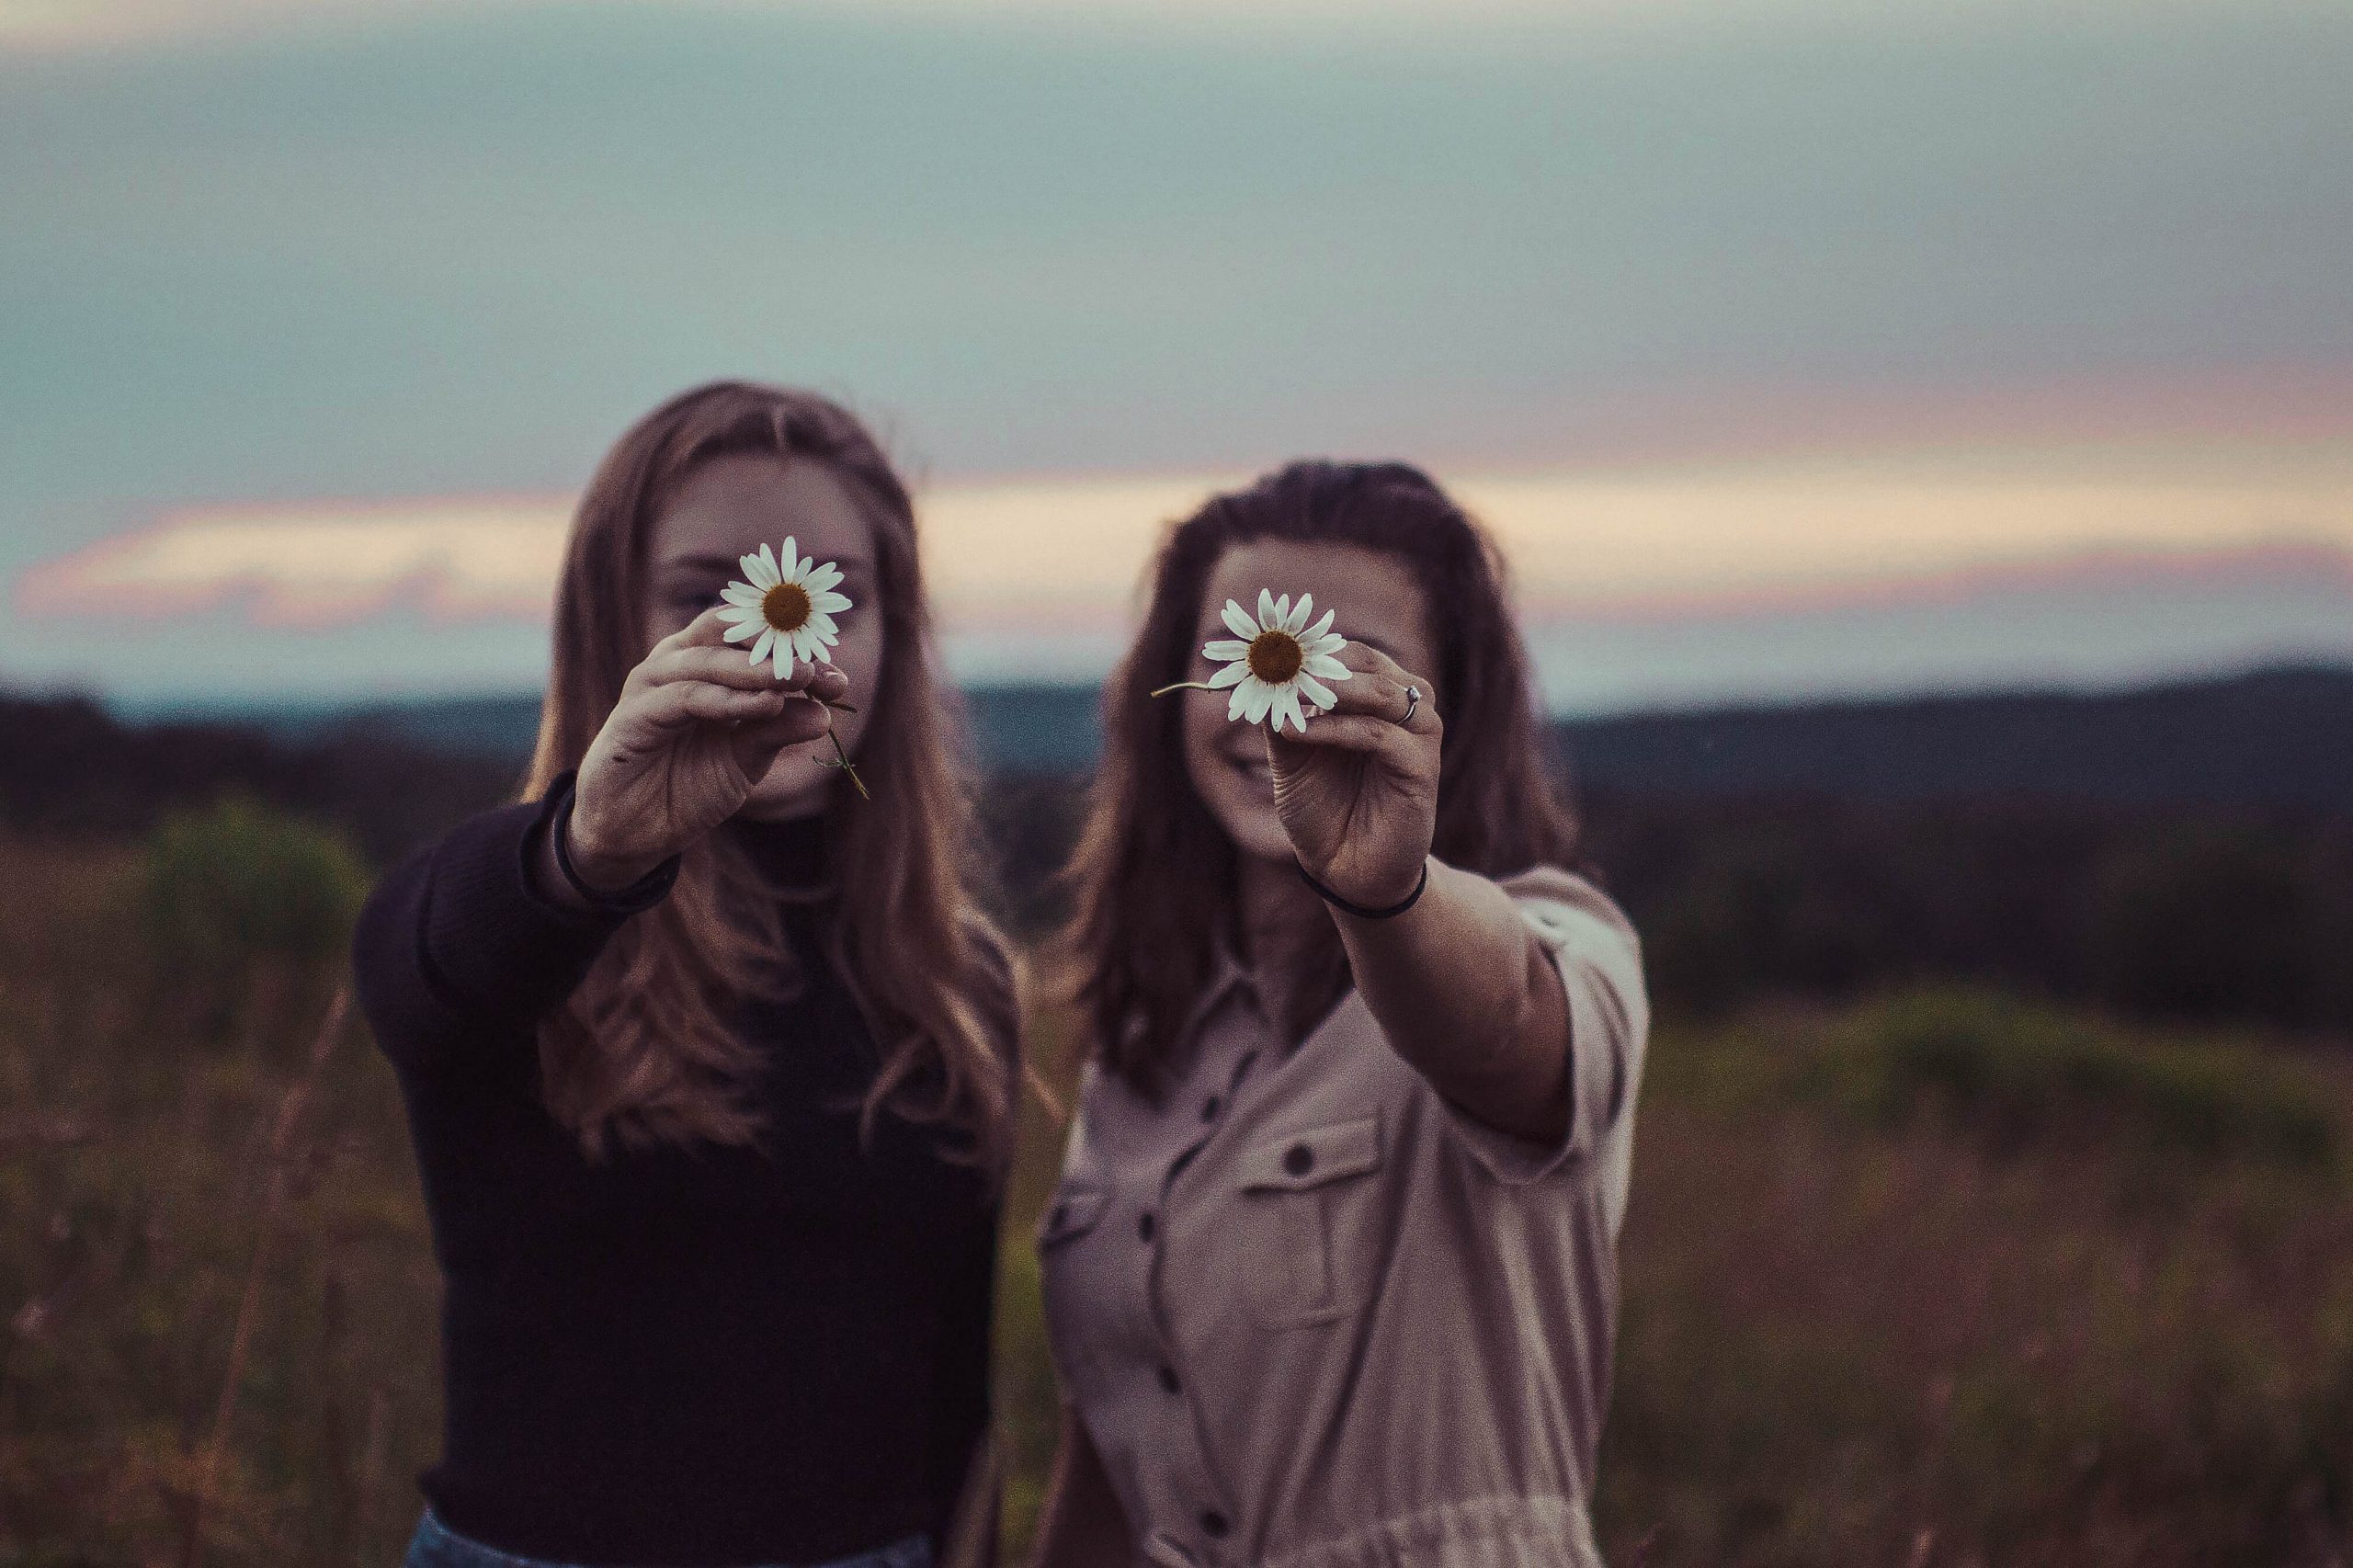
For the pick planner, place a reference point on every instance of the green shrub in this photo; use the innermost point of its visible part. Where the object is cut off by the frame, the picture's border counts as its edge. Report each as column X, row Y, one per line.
column 236, row 883
column 2017, row 1074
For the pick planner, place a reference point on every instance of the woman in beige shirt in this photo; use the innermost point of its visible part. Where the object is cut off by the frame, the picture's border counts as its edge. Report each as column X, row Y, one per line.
column 1331, row 1274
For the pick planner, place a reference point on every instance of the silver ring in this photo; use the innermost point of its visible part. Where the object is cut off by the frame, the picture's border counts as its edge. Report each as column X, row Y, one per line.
column 1413, row 704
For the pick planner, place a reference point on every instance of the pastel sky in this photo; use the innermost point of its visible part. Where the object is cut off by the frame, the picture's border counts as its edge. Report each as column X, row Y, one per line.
column 1791, row 347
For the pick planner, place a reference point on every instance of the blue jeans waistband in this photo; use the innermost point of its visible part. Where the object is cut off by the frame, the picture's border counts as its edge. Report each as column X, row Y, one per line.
column 436, row 1545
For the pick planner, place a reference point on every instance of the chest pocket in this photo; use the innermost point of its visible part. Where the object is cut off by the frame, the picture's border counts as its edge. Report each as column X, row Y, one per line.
column 1075, row 1211
column 1310, row 1222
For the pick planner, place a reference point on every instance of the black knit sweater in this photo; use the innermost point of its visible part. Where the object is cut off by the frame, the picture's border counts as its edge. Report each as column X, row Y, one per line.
column 693, row 1355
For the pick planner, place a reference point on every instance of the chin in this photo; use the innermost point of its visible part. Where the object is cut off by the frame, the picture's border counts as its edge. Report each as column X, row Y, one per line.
column 1256, row 833
column 793, row 786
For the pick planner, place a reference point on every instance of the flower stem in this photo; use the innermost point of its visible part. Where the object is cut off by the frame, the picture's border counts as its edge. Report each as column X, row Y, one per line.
column 841, row 757
column 1184, row 685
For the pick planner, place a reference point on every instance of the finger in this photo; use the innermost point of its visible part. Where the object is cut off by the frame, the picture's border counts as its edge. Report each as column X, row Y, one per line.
column 1358, row 733
column 704, row 629
column 828, row 684
column 758, row 741
column 1366, row 659
column 689, row 701
column 1390, row 697
column 724, row 666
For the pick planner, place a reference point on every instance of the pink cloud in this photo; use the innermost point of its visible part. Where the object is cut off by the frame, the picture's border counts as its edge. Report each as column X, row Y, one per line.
column 451, row 558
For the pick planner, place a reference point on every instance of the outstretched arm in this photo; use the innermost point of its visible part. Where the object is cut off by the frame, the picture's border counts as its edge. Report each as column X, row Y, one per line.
column 1463, row 989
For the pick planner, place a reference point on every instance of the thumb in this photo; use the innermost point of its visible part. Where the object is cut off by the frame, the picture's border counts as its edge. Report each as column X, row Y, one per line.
column 1285, row 754
column 758, row 742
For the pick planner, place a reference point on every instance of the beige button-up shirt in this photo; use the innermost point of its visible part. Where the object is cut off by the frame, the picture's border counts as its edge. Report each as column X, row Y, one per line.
column 1313, row 1317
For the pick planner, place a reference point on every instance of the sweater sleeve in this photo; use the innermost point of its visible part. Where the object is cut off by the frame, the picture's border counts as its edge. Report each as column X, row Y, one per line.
column 456, row 946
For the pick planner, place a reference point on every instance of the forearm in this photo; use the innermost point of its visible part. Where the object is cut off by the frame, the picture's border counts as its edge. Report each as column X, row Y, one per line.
column 1467, row 995
column 465, row 937
column 1081, row 1524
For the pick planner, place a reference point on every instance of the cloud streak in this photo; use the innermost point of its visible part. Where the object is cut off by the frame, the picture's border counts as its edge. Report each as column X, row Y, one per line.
column 458, row 558
column 1055, row 555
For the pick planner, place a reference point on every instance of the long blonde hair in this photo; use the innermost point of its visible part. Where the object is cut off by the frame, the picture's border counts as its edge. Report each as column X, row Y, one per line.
column 642, row 1051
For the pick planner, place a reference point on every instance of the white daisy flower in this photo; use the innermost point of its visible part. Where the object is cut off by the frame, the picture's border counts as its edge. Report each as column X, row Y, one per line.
column 791, row 608
column 1276, row 659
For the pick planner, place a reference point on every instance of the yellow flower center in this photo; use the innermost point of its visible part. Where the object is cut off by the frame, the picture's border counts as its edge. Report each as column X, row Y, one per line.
column 787, row 606
column 1275, row 656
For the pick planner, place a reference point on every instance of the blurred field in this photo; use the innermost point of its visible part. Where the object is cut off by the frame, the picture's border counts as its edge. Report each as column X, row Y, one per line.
column 1929, row 1277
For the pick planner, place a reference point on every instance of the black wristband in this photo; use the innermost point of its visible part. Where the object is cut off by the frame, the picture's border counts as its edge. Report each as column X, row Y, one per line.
column 1359, row 910
column 639, row 895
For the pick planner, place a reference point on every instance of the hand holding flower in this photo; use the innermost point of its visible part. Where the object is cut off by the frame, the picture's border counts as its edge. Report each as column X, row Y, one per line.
column 694, row 730
column 1356, row 790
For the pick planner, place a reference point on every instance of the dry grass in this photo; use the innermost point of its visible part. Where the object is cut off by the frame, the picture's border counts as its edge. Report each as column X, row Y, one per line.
column 1869, row 1316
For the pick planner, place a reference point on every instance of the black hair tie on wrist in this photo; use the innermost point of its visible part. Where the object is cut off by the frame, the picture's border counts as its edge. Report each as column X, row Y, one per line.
column 639, row 895
column 1360, row 911
column 586, row 894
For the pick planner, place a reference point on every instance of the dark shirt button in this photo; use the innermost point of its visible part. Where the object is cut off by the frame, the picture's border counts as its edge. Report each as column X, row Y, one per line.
column 1298, row 1159
column 1213, row 1524
column 1211, row 1107
column 1168, row 1379
column 1144, row 1225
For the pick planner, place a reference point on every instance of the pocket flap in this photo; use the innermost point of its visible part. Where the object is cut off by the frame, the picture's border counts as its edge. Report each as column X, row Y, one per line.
column 1313, row 1156
column 1073, row 1212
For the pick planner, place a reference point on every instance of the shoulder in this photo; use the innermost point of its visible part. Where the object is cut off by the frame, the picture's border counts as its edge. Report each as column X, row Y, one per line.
column 1557, row 892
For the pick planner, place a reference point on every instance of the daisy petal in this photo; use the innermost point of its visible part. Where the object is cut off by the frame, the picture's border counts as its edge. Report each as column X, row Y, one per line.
column 757, row 575
column 739, row 612
column 808, row 564
column 767, row 564
column 1238, row 621
column 785, row 557
column 1240, row 701
column 1315, row 692
column 742, row 593
column 825, row 576
column 1327, row 666
column 741, row 630
column 1228, row 675
column 1282, row 610
column 1267, row 618
column 1287, row 702
column 1315, row 633
column 830, row 604
column 760, row 648
column 1299, row 614
column 1226, row 648
column 1261, row 699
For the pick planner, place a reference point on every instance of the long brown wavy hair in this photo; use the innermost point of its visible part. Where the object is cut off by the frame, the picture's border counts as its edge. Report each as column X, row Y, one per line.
column 642, row 1051
column 1155, row 880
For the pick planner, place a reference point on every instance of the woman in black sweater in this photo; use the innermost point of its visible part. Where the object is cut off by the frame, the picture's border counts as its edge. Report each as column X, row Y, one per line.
column 709, row 1059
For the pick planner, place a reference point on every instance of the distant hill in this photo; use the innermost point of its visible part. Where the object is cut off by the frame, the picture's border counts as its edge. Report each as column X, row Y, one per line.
column 2280, row 737
column 2274, row 738
column 2180, row 851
